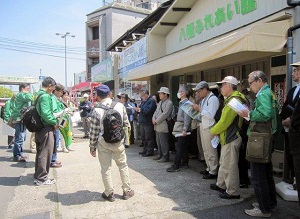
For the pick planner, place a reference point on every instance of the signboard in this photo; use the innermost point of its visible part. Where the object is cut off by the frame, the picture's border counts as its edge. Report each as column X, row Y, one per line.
column 17, row 80
column 103, row 71
column 134, row 56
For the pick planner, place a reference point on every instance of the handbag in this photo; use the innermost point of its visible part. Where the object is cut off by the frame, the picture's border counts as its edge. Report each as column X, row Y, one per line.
column 260, row 144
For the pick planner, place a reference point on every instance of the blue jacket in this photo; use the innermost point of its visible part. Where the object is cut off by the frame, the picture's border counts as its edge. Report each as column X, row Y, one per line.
column 148, row 108
column 86, row 109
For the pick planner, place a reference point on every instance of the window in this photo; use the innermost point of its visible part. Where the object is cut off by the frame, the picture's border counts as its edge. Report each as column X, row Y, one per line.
column 96, row 33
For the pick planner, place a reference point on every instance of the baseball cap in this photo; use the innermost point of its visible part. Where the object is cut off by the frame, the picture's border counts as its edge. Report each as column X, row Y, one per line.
column 200, row 85
column 229, row 79
column 103, row 90
column 85, row 95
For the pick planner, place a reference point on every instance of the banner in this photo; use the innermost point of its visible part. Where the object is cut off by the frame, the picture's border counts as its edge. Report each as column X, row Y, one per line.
column 65, row 125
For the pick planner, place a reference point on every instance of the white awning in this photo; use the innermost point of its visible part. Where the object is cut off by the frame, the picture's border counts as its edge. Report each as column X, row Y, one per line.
column 266, row 37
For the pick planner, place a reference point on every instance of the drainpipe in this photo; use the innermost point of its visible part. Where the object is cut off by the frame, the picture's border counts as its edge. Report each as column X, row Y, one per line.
column 293, row 3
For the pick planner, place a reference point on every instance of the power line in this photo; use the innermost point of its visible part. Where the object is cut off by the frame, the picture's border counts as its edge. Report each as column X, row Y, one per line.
column 39, row 53
column 7, row 40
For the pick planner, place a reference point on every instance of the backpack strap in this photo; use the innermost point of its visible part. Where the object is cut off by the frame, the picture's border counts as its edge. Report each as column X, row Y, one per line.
column 35, row 102
column 113, row 104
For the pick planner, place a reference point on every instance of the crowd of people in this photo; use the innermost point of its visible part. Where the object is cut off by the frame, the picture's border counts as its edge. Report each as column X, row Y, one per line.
column 51, row 101
column 205, row 125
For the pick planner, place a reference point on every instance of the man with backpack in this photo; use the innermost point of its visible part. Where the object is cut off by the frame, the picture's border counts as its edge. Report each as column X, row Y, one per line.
column 228, row 128
column 107, row 137
column 207, row 108
column 44, row 138
column 23, row 100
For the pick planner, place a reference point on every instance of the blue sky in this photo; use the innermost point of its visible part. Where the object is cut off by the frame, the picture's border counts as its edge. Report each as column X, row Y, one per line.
column 37, row 21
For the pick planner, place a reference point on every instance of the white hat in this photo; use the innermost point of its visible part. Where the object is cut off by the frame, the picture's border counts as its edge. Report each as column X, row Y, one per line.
column 85, row 95
column 164, row 90
column 296, row 64
column 230, row 80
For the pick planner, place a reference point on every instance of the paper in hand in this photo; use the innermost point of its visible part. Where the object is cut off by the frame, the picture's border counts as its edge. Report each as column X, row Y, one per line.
column 215, row 142
column 237, row 106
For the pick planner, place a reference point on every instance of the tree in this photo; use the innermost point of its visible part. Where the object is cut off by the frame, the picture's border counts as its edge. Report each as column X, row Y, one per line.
column 5, row 92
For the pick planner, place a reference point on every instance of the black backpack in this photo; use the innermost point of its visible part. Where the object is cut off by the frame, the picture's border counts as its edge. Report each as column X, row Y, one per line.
column 30, row 118
column 219, row 111
column 112, row 124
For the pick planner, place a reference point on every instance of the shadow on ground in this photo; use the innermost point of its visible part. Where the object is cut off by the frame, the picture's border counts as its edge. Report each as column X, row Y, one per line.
column 77, row 198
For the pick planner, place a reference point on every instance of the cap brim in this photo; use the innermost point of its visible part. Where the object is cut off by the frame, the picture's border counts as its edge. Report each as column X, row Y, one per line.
column 295, row 64
column 220, row 82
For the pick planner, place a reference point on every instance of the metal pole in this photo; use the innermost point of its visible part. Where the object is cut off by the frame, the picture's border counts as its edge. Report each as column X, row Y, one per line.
column 66, row 77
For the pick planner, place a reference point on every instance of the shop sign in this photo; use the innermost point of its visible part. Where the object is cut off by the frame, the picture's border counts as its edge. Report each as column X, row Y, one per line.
column 219, row 17
column 134, row 56
column 103, row 71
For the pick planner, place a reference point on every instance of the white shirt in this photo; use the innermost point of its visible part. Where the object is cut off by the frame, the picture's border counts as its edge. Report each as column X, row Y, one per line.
column 296, row 91
column 209, row 107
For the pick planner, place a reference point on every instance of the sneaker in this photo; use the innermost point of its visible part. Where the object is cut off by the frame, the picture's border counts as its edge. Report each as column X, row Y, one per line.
column 70, row 149
column 65, row 150
column 47, row 182
column 128, row 194
column 173, row 168
column 110, row 197
column 256, row 212
column 56, row 165
column 20, row 159
column 256, row 205
column 9, row 147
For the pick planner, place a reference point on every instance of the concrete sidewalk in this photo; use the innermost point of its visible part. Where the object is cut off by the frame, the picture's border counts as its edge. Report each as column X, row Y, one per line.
column 158, row 194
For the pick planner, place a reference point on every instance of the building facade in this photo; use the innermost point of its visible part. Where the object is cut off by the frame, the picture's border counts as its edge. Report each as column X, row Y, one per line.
column 104, row 26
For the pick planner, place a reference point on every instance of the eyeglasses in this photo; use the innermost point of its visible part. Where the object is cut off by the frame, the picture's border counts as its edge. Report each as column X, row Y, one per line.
column 251, row 82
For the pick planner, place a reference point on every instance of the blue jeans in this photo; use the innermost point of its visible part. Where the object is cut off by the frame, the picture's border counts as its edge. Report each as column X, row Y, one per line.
column 264, row 185
column 56, row 140
column 20, row 136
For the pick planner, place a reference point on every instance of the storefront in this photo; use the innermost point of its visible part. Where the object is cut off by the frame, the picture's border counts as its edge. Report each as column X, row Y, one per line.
column 208, row 40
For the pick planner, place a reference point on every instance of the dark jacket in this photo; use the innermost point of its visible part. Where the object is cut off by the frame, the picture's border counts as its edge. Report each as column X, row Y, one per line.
column 294, row 131
column 289, row 103
column 148, row 108
column 86, row 109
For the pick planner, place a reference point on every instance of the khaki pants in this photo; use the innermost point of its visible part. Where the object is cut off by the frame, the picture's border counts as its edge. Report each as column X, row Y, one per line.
column 106, row 153
column 228, row 177
column 32, row 142
column 199, row 144
column 210, row 153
